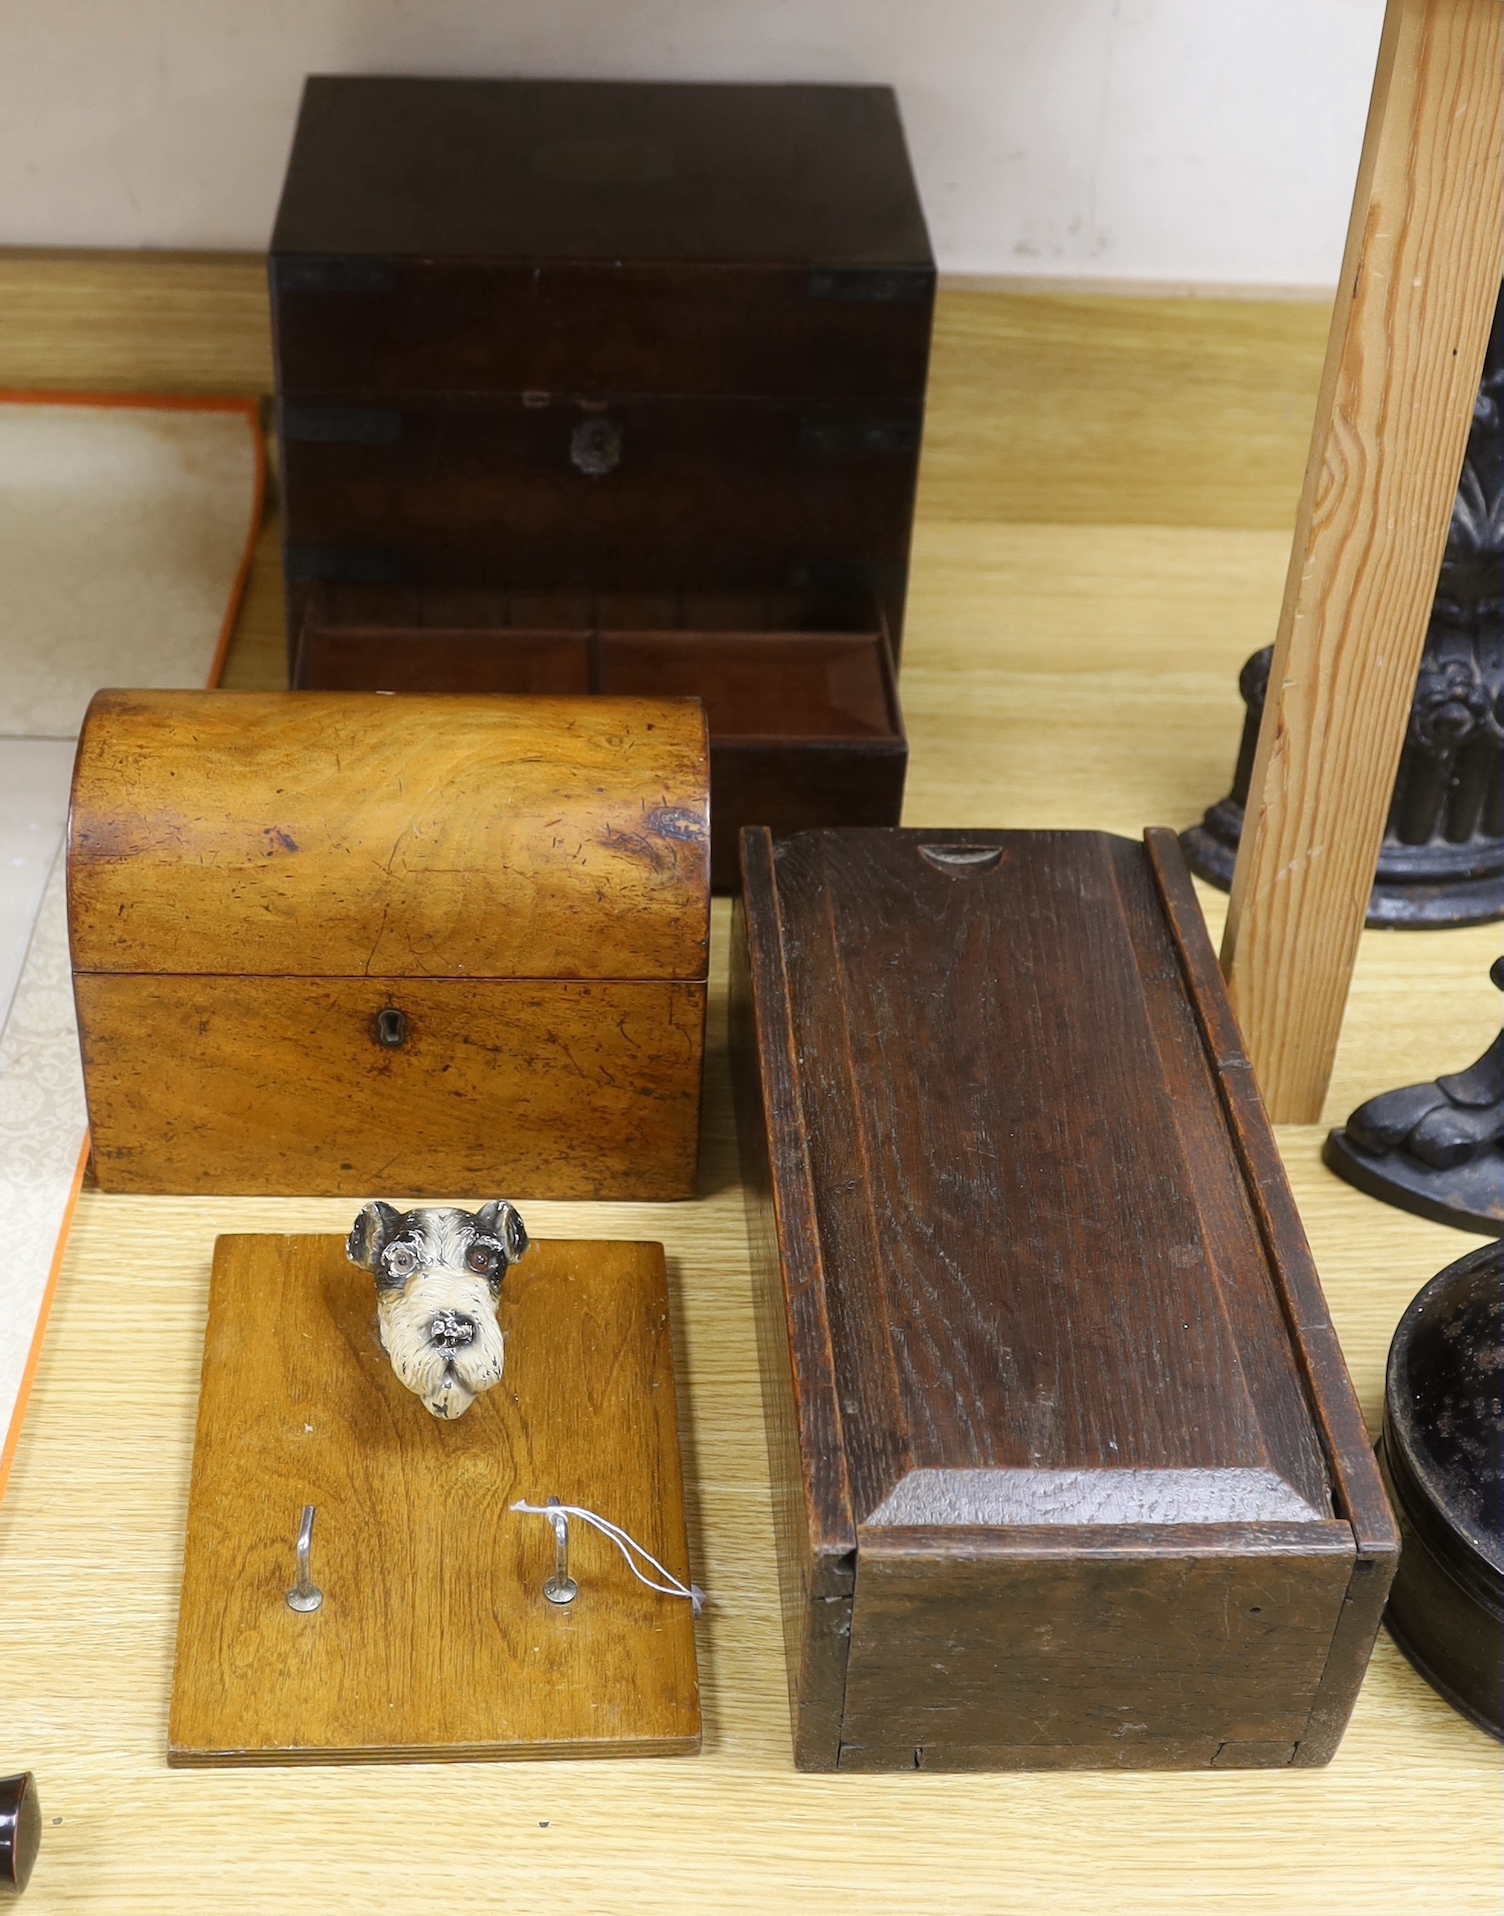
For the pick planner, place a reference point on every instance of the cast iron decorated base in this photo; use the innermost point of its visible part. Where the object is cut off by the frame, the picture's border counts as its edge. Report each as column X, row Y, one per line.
column 1442, row 859
column 1424, row 897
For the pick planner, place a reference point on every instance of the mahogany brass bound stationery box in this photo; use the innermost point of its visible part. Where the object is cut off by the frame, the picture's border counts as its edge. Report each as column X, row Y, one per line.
column 608, row 337
column 335, row 943
column 1067, row 1469
column 583, row 384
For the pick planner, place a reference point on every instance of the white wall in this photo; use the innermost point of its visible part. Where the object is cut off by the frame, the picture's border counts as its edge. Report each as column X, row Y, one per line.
column 1187, row 140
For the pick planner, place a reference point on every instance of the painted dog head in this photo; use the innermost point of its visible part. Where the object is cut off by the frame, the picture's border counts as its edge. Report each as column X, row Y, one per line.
column 438, row 1282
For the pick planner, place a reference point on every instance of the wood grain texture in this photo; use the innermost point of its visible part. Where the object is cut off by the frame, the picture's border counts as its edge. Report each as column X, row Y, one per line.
column 804, row 726
column 1047, row 1298
column 1355, row 1479
column 94, row 1521
column 1084, row 409
column 434, row 1640
column 256, row 881
column 1056, row 675
column 540, row 1088
column 344, row 835
column 809, row 1476
column 1022, row 1181
column 97, row 321
column 418, row 172
column 1070, row 407
column 1037, row 1640
column 1419, row 283
column 708, row 494
column 456, row 322
column 1359, row 1495
column 635, row 324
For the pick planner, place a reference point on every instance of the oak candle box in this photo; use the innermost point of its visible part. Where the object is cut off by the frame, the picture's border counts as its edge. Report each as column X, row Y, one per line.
column 1067, row 1469
column 336, row 943
column 630, row 359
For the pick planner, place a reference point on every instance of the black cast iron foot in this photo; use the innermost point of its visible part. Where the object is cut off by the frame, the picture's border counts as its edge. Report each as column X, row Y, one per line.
column 1436, row 1149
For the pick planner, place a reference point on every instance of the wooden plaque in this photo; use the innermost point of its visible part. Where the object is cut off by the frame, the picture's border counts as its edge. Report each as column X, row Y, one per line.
column 434, row 1641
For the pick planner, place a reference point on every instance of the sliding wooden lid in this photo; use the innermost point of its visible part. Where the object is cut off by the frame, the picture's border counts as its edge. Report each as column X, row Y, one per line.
column 1049, row 1298
column 360, row 835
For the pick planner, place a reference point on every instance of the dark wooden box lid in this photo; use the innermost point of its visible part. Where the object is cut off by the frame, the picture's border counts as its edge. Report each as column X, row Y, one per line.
column 601, row 171
column 1031, row 1217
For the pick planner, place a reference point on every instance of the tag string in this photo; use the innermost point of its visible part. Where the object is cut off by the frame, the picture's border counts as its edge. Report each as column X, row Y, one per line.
column 630, row 1550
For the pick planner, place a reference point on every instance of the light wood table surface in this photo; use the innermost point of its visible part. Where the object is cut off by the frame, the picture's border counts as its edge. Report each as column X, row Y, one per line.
column 1060, row 674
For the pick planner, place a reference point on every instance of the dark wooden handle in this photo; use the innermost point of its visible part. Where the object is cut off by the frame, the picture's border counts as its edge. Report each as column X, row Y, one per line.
column 20, row 1832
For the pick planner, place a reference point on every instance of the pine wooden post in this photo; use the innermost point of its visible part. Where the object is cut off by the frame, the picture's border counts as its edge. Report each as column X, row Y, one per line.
column 1419, row 280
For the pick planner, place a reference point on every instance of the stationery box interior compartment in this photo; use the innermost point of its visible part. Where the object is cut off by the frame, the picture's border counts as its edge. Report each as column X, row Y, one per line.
column 799, row 691
column 340, row 943
column 1067, row 1469
column 604, row 336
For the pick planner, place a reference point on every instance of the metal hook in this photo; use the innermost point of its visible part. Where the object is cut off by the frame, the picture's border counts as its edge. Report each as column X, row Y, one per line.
column 305, row 1594
column 560, row 1588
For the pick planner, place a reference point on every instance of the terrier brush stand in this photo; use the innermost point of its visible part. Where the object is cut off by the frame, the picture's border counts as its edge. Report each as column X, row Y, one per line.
column 1442, row 859
column 1436, row 1149
column 405, row 1616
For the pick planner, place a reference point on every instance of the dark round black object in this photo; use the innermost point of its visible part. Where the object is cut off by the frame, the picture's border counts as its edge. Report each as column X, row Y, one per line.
column 1442, row 1453
column 20, row 1832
